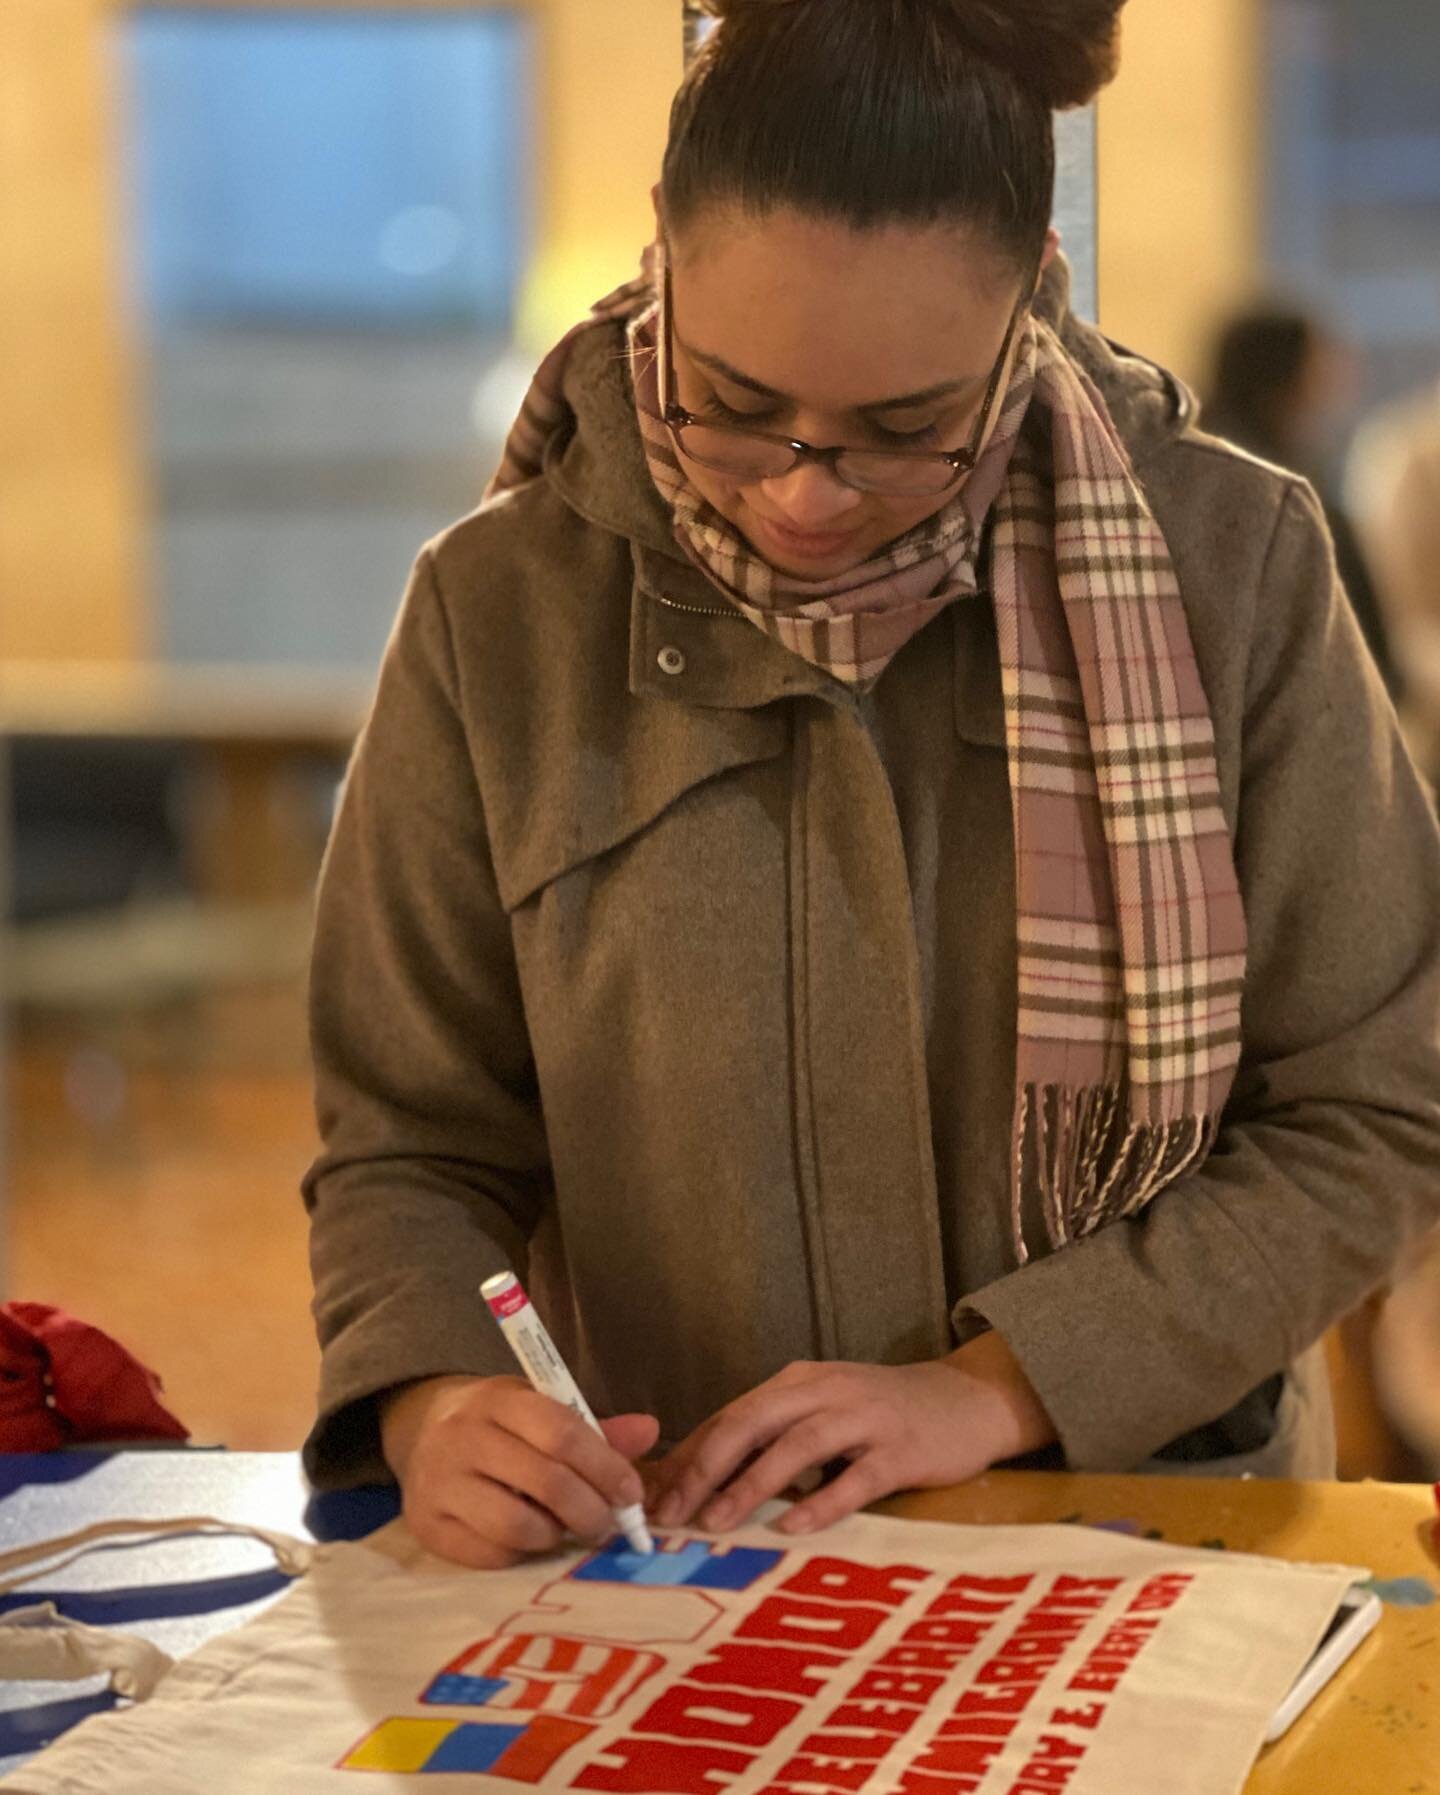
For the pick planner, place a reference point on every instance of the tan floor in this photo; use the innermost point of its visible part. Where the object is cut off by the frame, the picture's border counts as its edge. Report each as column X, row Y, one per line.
column 176, row 1226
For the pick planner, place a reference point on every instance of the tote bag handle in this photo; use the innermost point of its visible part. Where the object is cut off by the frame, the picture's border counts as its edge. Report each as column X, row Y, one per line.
column 39, row 1644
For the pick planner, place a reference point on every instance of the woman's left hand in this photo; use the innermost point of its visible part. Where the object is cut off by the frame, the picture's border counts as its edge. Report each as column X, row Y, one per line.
column 900, row 1426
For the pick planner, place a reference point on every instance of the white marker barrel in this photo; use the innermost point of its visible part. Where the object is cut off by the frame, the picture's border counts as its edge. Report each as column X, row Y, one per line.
column 549, row 1374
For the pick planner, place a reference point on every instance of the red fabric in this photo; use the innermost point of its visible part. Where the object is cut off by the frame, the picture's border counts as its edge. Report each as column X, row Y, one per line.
column 64, row 1383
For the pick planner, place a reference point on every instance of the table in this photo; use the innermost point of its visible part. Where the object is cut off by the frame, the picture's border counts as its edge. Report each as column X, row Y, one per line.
column 1375, row 1729
column 245, row 723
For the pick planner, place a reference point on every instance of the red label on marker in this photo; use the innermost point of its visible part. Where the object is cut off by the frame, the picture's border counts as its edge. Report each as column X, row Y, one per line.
column 508, row 1302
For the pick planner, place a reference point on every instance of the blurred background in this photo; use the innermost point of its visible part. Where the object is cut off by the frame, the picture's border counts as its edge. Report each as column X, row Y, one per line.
column 272, row 281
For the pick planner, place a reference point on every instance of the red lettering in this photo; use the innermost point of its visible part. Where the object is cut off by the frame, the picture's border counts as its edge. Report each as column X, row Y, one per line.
column 789, row 1619
column 992, row 1586
column 983, row 1726
column 967, row 1633
column 1112, row 1657
column 960, row 1757
column 1090, row 1715
column 1042, row 1620
column 847, row 1746
column 962, row 1602
column 787, row 1670
column 826, row 1773
column 876, row 1715
column 892, row 1686
column 656, row 1767
column 1091, row 1683
column 1001, row 1670
column 1066, row 1586
column 728, row 1716
column 841, row 1581
column 921, row 1657
column 996, row 1701
column 1043, row 1779
column 1162, row 1592
column 912, row 1783
column 1043, row 1647
column 1051, row 1746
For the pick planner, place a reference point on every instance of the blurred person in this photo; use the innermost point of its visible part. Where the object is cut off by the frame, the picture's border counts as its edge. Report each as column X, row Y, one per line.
column 880, row 878
column 1280, row 386
column 1392, row 484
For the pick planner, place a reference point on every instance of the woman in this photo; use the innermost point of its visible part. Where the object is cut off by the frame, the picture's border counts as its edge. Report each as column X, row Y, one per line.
column 851, row 883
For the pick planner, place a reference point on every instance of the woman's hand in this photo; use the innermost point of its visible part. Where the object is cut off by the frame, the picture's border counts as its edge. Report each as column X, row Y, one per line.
column 493, row 1472
column 901, row 1427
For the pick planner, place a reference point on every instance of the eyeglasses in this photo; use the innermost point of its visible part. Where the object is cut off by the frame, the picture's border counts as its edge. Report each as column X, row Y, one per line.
column 751, row 455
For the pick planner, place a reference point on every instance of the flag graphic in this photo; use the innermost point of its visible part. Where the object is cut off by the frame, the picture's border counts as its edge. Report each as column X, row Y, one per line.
column 582, row 1677
column 520, row 1753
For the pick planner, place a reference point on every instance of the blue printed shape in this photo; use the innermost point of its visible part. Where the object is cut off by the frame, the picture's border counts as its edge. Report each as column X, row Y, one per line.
column 736, row 1569
column 698, row 1564
column 453, row 1689
column 473, row 1747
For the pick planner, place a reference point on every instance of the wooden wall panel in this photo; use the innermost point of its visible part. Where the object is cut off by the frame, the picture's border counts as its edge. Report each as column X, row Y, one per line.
column 1181, row 176
column 72, row 505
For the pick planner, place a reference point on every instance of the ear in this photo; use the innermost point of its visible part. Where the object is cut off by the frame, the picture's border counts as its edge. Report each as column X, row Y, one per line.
column 1049, row 253
column 657, row 200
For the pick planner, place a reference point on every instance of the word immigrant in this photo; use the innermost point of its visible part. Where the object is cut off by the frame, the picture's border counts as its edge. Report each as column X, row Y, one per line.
column 734, row 1670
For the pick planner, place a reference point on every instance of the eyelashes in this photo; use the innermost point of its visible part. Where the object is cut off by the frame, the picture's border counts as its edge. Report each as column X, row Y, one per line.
column 719, row 412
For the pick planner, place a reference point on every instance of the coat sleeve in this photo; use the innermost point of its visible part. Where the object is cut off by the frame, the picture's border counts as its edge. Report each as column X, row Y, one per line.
column 1328, row 1163
column 434, row 1167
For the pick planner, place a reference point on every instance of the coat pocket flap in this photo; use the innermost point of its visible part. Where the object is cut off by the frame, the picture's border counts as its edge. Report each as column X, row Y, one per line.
column 575, row 806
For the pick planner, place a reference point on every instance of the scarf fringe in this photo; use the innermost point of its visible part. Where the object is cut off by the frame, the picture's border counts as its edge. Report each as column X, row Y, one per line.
column 1093, row 1164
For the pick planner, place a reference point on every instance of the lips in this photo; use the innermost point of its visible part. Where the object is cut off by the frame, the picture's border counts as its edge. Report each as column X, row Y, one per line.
column 808, row 545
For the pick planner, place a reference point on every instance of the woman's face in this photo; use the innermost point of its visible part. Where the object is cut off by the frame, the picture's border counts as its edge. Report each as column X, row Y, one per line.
column 803, row 327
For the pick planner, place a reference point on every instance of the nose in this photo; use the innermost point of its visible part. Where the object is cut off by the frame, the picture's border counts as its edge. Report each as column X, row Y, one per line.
column 810, row 497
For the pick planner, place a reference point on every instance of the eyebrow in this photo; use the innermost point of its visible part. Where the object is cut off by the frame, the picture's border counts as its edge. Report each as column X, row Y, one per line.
column 944, row 390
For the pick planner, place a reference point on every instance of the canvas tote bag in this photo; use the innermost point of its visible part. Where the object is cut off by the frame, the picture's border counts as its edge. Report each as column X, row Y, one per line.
column 885, row 1656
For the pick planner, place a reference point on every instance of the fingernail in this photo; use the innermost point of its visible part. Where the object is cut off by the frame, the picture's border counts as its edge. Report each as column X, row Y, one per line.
column 795, row 1522
column 667, row 1512
column 717, row 1518
column 631, row 1493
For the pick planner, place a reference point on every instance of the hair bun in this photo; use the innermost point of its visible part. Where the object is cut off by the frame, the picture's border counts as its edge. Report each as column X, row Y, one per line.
column 1063, row 50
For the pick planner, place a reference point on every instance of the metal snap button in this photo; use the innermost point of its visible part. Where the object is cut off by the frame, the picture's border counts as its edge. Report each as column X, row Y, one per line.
column 671, row 661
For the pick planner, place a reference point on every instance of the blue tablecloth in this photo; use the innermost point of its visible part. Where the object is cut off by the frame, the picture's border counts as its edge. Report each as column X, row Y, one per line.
column 178, row 1593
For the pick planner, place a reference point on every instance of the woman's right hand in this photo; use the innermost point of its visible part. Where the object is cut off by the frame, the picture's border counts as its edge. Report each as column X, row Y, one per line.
column 492, row 1472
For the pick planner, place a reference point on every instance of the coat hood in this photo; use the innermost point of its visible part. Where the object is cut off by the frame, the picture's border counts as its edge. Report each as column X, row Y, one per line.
column 597, row 465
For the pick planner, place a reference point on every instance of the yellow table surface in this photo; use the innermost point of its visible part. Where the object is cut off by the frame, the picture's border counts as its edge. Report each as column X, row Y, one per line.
column 1375, row 1730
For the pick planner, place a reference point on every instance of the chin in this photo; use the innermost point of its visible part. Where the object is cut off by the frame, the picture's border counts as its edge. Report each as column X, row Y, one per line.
column 759, row 533
column 815, row 570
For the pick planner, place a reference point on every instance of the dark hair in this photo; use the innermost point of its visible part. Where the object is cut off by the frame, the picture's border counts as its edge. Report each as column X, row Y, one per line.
column 877, row 111
column 1260, row 358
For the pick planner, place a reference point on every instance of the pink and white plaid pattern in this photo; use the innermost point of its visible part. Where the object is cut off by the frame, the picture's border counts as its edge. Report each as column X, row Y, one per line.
column 1130, row 924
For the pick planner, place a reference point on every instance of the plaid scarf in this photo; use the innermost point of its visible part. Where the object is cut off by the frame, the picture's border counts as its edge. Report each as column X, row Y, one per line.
column 1130, row 926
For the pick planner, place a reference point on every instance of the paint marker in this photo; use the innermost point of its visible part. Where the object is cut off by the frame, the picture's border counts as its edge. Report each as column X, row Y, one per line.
column 549, row 1374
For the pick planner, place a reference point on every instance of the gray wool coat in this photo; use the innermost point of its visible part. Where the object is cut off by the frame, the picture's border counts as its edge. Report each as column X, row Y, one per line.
column 655, row 964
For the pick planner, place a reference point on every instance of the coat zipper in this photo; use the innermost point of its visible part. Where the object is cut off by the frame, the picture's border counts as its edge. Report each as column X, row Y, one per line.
column 671, row 604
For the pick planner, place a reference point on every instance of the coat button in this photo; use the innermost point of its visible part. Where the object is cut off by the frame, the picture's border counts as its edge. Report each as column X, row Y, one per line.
column 671, row 661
